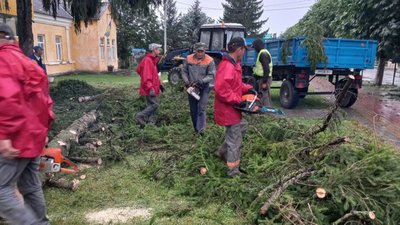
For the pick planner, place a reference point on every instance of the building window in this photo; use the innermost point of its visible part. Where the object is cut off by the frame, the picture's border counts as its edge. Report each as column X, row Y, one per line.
column 41, row 43
column 108, row 42
column 58, row 48
column 102, row 53
column 113, row 48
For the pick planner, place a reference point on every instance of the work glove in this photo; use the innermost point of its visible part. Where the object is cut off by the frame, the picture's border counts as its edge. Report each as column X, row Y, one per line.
column 252, row 91
column 194, row 84
column 200, row 82
column 152, row 93
column 242, row 105
column 162, row 89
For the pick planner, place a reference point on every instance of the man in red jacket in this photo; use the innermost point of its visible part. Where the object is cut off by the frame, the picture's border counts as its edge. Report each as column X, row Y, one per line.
column 25, row 117
column 149, row 84
column 229, row 89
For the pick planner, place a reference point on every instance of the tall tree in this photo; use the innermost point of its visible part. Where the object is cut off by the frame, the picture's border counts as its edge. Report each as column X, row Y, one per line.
column 365, row 19
column 192, row 21
column 175, row 30
column 81, row 11
column 245, row 12
column 373, row 19
column 135, row 30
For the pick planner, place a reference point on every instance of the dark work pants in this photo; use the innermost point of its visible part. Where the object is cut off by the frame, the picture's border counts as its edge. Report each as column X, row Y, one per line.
column 24, row 175
column 198, row 109
column 148, row 114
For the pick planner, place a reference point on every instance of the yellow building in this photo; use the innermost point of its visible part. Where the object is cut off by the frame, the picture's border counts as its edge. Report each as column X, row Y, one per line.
column 9, row 16
column 94, row 49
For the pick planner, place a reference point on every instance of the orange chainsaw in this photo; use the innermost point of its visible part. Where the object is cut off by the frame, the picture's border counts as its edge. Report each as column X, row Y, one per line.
column 52, row 160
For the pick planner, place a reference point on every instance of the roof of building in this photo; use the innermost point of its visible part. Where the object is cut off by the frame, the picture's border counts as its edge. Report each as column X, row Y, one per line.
column 103, row 8
column 61, row 12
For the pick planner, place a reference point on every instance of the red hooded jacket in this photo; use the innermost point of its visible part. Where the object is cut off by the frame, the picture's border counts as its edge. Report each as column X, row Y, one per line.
column 25, row 104
column 147, row 69
column 229, row 89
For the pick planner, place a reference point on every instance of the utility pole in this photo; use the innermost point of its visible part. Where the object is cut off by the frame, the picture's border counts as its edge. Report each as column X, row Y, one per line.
column 165, row 26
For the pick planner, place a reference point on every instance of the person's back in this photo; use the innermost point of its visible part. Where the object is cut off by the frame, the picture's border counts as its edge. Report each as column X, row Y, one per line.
column 25, row 118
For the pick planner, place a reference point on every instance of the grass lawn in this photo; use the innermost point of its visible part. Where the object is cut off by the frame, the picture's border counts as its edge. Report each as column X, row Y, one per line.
column 132, row 181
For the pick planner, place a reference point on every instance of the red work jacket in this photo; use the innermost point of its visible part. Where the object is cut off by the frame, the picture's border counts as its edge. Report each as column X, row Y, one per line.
column 25, row 104
column 229, row 89
column 149, row 80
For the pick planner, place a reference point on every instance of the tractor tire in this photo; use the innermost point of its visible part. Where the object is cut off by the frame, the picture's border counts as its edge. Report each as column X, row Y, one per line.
column 174, row 76
column 289, row 96
column 351, row 96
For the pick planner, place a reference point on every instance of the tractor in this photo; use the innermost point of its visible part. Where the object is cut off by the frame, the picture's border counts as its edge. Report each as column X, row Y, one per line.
column 215, row 36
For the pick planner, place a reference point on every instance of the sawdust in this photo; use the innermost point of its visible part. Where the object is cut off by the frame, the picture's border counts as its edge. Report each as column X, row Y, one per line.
column 117, row 215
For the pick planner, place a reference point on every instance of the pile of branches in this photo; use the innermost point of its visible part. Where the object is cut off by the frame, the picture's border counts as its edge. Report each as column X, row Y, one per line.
column 295, row 172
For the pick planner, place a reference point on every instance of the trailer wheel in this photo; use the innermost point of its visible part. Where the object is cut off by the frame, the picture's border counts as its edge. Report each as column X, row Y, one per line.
column 174, row 76
column 289, row 97
column 350, row 98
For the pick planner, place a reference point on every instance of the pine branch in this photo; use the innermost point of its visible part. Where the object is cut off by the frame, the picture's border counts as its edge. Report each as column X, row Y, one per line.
column 282, row 187
column 359, row 214
column 318, row 129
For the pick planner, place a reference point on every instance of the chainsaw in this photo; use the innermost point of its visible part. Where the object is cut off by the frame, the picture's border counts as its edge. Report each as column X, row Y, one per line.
column 254, row 106
column 52, row 161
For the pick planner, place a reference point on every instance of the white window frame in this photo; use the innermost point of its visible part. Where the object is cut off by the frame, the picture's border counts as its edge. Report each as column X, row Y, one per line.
column 102, row 49
column 58, row 48
column 42, row 44
column 113, row 48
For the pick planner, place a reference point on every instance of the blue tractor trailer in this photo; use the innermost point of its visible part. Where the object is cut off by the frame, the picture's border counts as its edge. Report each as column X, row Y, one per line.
column 344, row 57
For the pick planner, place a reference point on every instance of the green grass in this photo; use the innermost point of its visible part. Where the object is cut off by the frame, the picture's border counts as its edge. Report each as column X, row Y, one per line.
column 121, row 185
column 106, row 80
column 124, row 184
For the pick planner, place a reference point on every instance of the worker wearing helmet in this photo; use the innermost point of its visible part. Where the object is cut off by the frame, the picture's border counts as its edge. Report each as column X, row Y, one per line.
column 263, row 72
column 229, row 89
column 198, row 73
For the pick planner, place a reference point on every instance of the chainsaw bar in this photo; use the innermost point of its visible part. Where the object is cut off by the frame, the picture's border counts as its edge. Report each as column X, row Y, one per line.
column 270, row 110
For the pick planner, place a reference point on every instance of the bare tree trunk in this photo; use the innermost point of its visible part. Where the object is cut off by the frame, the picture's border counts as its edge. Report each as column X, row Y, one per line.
column 24, row 25
column 381, row 70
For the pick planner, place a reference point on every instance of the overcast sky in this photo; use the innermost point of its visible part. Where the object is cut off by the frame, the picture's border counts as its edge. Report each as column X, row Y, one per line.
column 282, row 14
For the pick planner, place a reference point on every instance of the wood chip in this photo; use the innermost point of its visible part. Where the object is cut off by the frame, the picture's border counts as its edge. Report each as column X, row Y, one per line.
column 61, row 143
column 72, row 132
column 371, row 215
column 321, row 193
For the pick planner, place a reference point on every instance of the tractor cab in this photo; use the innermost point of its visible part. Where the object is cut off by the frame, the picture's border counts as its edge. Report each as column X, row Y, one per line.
column 217, row 36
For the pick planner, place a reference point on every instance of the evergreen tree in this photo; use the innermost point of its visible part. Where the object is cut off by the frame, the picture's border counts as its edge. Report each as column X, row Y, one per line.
column 245, row 12
column 192, row 21
column 135, row 30
column 81, row 11
column 175, row 31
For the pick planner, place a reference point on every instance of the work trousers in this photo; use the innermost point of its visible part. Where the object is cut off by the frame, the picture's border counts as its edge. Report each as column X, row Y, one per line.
column 198, row 109
column 149, row 113
column 230, row 149
column 24, row 175
column 266, row 93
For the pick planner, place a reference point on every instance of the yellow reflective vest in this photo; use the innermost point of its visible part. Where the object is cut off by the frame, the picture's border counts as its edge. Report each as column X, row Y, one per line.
column 258, row 69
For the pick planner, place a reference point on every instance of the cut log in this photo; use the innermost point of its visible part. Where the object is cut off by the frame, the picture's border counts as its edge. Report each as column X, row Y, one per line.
column 71, row 134
column 358, row 214
column 88, row 160
column 64, row 183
